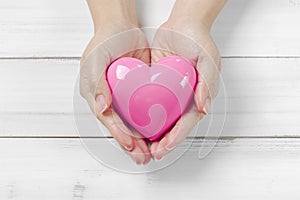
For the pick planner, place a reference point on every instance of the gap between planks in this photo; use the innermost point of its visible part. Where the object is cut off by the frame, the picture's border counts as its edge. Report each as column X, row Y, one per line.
column 222, row 138
column 78, row 58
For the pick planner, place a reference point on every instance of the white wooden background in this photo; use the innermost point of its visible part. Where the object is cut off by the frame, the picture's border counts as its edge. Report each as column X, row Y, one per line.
column 41, row 156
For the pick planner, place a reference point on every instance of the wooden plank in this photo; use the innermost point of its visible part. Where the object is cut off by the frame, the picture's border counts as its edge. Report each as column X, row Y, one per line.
column 262, row 98
column 236, row 125
column 263, row 169
column 258, row 28
column 62, row 28
column 44, row 86
column 44, row 28
column 252, row 85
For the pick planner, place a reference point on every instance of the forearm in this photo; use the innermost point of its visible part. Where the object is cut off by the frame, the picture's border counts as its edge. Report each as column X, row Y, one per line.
column 205, row 11
column 103, row 11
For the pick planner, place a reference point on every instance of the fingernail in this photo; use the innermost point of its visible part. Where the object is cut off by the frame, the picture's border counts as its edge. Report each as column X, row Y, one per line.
column 159, row 158
column 138, row 162
column 128, row 139
column 170, row 147
column 102, row 103
column 206, row 106
column 128, row 147
column 128, row 144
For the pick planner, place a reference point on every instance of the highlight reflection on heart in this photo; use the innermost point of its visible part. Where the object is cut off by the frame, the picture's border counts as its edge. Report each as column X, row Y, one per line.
column 151, row 99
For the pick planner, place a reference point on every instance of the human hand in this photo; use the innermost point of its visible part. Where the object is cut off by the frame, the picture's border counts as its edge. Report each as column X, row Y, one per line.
column 187, row 33
column 116, row 35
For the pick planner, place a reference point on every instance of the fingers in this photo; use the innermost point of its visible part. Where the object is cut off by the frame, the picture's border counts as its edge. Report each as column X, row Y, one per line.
column 142, row 54
column 145, row 150
column 100, row 106
column 141, row 153
column 143, row 145
column 137, row 154
column 153, row 148
column 118, row 129
column 157, row 54
column 133, row 145
column 180, row 131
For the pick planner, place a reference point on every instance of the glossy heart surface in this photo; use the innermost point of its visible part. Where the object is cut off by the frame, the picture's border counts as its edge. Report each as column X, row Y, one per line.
column 151, row 99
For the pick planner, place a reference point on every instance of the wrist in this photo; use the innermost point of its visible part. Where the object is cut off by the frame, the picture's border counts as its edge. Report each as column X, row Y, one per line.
column 112, row 11
column 202, row 11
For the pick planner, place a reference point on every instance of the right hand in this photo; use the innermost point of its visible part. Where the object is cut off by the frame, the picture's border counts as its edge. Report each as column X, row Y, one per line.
column 112, row 40
column 187, row 33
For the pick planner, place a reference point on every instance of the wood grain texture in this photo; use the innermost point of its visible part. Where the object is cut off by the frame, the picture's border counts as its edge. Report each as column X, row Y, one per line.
column 252, row 85
column 262, row 169
column 236, row 125
column 41, row 158
column 44, row 28
column 262, row 97
column 62, row 28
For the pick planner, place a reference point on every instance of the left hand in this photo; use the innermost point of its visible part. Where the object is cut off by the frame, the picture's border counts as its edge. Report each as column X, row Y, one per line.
column 185, row 35
column 117, row 34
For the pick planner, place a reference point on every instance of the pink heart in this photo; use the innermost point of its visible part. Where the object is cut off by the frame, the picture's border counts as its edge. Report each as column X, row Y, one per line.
column 151, row 99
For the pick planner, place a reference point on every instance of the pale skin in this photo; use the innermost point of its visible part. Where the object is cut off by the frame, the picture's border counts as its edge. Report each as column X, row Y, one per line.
column 192, row 19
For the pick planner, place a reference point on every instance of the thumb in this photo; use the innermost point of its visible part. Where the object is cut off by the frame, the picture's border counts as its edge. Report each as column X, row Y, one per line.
column 103, row 98
column 93, row 85
column 208, row 83
column 99, row 99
